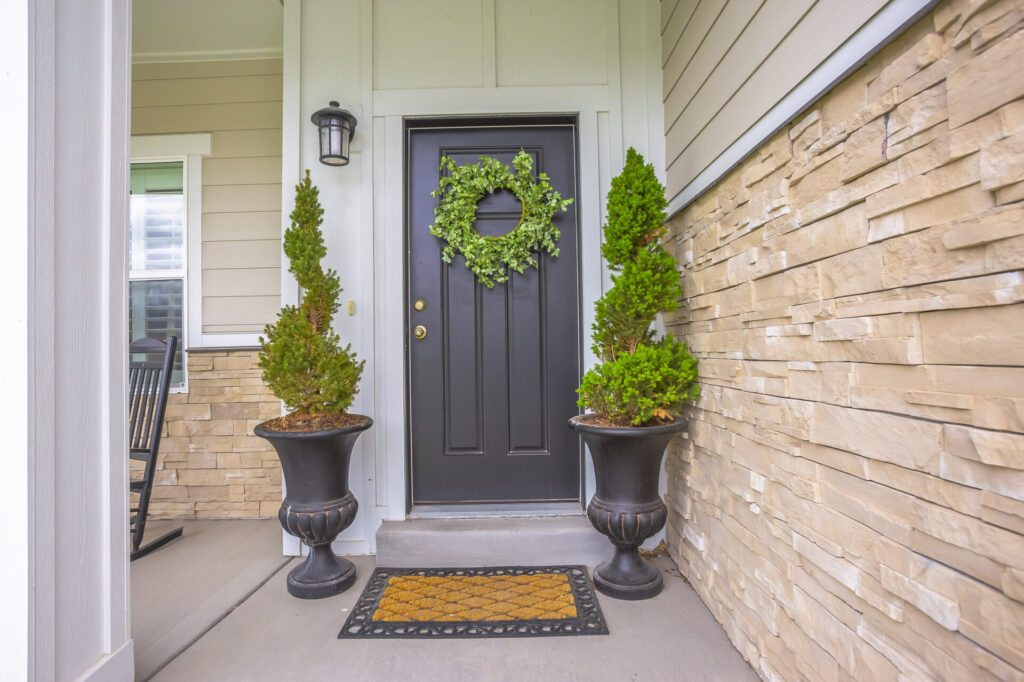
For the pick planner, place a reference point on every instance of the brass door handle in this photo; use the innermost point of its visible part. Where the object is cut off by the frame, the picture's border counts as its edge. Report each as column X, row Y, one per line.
column 419, row 331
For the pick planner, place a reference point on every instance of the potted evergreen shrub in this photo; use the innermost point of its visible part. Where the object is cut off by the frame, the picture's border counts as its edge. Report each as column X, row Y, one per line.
column 305, row 366
column 641, row 383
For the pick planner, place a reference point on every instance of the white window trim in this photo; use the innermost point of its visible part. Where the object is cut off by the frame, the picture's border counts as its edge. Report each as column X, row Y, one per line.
column 190, row 150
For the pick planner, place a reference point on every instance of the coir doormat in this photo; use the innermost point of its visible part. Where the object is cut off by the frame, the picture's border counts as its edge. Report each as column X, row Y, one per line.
column 536, row 601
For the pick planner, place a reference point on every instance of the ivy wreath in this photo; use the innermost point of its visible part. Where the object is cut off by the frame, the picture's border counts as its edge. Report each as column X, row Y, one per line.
column 490, row 258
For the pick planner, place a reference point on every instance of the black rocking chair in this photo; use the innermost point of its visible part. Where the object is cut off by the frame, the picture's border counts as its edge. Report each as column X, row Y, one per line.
column 149, row 382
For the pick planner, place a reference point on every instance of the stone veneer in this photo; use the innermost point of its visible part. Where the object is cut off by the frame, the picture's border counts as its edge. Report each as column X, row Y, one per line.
column 850, row 500
column 210, row 464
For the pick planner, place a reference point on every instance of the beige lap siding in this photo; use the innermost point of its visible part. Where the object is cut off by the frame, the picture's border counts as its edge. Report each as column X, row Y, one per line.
column 211, row 466
column 850, row 500
column 239, row 104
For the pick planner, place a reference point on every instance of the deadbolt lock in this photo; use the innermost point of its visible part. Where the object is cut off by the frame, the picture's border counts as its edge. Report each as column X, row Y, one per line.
column 419, row 305
column 420, row 332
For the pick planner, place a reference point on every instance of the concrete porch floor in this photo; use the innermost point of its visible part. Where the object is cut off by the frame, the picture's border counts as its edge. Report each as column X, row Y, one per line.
column 272, row 636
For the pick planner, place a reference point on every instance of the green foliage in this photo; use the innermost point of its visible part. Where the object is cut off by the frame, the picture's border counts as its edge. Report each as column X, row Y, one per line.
column 302, row 358
column 639, row 378
column 632, row 388
column 490, row 258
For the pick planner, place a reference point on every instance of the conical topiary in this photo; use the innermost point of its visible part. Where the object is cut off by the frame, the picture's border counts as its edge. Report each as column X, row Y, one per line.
column 640, row 380
column 302, row 359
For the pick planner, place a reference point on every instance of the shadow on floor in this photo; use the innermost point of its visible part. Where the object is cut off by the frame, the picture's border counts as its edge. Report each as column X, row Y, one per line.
column 183, row 589
column 272, row 636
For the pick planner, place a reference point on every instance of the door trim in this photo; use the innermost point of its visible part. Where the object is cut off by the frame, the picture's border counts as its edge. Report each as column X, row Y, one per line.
column 474, row 122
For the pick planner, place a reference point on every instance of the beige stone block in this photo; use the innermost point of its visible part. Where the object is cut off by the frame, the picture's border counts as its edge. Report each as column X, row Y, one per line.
column 202, row 477
column 887, row 511
column 1008, row 482
column 239, row 460
column 962, row 203
column 952, row 176
column 854, row 272
column 198, row 362
column 208, row 427
column 1002, row 511
column 847, row 195
column 188, row 411
column 988, row 447
column 997, row 224
column 208, row 493
column 232, row 363
column 968, row 533
column 269, row 509
column 210, row 444
column 926, row 158
column 917, row 114
column 986, row 82
column 1010, row 193
column 169, row 492
column 174, row 444
column 944, row 611
column 235, row 410
column 954, row 401
column 885, row 437
column 844, row 329
column 249, row 444
column 960, row 558
column 1002, row 162
column 992, row 620
column 897, row 70
column 984, row 336
column 863, row 151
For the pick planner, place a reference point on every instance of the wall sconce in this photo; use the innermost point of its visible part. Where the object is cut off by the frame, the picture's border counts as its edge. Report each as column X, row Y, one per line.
column 337, row 128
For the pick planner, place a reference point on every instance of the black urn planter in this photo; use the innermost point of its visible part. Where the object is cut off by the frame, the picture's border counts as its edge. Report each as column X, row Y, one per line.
column 318, row 504
column 627, row 507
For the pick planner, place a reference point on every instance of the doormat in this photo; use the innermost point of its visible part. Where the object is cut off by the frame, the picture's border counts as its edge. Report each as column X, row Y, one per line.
column 519, row 601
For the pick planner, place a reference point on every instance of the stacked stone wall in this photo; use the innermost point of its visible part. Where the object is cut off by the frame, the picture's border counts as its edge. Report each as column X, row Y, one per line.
column 210, row 464
column 850, row 500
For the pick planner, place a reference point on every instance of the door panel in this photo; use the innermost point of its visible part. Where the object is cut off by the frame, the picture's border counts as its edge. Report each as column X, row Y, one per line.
column 493, row 383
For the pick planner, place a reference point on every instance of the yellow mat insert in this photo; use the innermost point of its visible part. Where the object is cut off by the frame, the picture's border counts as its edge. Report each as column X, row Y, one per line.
column 476, row 598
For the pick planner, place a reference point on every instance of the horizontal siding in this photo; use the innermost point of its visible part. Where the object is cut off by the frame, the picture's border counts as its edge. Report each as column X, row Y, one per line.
column 255, row 170
column 239, row 144
column 196, row 118
column 171, row 70
column 241, row 226
column 239, row 311
column 263, row 253
column 239, row 103
column 730, row 66
column 241, row 198
column 247, row 282
column 217, row 90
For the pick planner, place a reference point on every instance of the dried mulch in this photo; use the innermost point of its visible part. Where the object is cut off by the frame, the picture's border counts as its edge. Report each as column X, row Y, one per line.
column 313, row 422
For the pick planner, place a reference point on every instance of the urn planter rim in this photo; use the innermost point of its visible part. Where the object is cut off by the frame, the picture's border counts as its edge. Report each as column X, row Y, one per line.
column 264, row 432
column 676, row 426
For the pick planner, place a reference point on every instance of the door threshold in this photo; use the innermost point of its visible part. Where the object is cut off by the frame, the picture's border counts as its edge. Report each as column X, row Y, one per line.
column 506, row 509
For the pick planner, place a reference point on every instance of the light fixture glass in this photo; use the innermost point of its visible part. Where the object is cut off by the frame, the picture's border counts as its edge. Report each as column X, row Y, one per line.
column 337, row 128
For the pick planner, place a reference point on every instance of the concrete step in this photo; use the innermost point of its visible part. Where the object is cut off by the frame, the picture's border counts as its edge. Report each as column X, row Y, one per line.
column 490, row 541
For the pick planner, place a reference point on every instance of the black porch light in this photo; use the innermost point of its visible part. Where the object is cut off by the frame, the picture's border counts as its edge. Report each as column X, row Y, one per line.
column 337, row 127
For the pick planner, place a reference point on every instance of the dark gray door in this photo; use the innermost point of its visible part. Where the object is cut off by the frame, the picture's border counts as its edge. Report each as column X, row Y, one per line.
column 493, row 382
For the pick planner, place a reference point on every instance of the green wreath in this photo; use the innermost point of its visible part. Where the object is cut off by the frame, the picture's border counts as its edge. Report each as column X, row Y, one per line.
column 490, row 258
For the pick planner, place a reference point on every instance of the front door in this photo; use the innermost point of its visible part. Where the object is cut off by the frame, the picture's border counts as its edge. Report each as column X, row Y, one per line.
column 493, row 382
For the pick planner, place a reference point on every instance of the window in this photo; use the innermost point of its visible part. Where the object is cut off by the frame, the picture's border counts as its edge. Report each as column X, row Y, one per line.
column 157, row 256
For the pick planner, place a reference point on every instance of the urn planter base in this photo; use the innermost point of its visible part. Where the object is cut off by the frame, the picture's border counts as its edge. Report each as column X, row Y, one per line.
column 318, row 505
column 322, row 574
column 627, row 506
column 627, row 576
